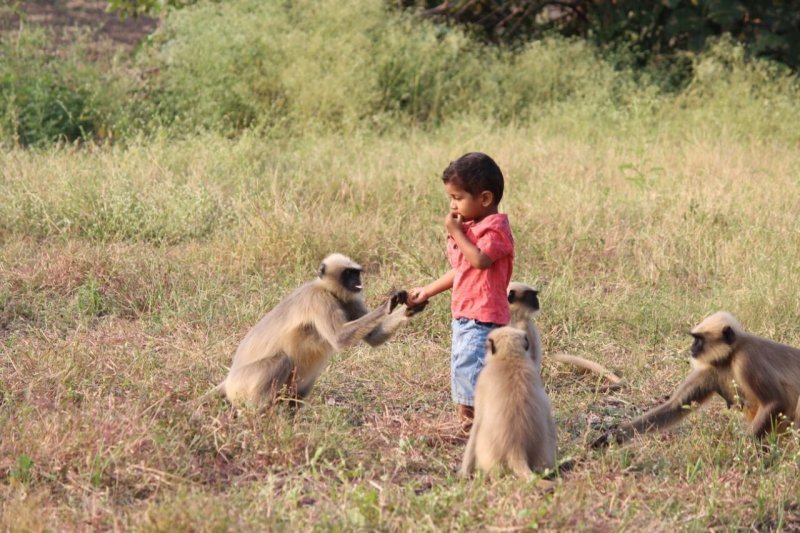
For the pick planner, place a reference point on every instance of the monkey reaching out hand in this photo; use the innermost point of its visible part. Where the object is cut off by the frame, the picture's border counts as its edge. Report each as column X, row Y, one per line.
column 291, row 344
column 726, row 358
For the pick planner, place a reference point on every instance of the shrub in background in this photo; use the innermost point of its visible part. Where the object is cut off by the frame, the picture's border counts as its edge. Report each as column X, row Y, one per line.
column 756, row 98
column 49, row 96
column 333, row 67
column 329, row 65
column 337, row 66
column 320, row 65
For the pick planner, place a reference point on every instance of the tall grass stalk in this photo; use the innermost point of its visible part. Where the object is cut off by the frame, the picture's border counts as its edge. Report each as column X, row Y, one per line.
column 128, row 275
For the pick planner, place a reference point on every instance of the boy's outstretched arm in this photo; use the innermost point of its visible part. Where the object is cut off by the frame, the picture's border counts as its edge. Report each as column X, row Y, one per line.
column 418, row 295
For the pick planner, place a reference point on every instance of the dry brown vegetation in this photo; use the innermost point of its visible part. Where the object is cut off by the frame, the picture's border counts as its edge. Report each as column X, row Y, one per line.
column 128, row 276
column 129, row 272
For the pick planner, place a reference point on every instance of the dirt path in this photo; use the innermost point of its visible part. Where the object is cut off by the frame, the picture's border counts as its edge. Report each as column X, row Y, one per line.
column 64, row 16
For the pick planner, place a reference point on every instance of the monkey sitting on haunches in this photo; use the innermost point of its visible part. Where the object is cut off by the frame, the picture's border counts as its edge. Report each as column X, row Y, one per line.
column 524, row 305
column 513, row 424
column 291, row 344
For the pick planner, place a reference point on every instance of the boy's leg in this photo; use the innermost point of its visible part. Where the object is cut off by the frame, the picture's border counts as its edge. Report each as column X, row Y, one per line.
column 467, row 359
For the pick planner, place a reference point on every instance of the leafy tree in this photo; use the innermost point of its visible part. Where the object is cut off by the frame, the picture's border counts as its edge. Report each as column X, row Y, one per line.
column 768, row 28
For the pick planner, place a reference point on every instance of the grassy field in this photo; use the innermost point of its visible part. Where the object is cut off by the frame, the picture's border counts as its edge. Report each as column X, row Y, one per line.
column 128, row 276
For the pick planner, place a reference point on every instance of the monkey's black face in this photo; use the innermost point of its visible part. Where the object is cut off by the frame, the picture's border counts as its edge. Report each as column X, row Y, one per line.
column 351, row 279
column 528, row 298
column 697, row 345
column 702, row 344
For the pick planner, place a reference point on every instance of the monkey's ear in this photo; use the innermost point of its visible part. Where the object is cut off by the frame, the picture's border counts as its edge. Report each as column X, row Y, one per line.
column 490, row 344
column 527, row 343
column 512, row 296
column 321, row 269
column 728, row 335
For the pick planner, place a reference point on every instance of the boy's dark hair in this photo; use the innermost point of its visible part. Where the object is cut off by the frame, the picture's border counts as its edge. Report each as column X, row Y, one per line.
column 475, row 172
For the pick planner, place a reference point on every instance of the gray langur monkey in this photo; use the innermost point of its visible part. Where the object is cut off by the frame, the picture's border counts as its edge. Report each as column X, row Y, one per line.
column 292, row 343
column 513, row 424
column 523, row 302
column 762, row 374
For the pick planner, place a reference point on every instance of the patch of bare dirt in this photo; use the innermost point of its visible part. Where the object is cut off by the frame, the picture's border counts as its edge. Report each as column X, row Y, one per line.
column 64, row 17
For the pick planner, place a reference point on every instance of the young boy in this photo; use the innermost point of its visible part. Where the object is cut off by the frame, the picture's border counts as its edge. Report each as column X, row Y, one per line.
column 480, row 249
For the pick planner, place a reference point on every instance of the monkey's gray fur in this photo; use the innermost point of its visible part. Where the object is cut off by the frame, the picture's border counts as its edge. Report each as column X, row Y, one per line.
column 514, row 425
column 292, row 343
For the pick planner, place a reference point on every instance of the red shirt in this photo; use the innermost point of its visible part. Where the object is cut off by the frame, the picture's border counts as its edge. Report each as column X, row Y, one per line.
column 482, row 294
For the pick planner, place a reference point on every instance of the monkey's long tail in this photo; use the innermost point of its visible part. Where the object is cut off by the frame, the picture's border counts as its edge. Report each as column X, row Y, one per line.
column 202, row 399
column 589, row 366
column 219, row 389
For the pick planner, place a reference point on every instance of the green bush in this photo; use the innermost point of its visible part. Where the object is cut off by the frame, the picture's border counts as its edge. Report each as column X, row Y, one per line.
column 48, row 96
column 427, row 73
column 548, row 74
column 338, row 65
column 318, row 65
column 756, row 98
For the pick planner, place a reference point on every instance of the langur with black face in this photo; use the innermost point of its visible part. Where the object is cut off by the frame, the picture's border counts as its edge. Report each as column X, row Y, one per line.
column 524, row 304
column 761, row 375
column 290, row 346
column 514, row 425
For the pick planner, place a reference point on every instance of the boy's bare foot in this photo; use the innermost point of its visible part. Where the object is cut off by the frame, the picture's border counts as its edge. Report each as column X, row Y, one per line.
column 465, row 415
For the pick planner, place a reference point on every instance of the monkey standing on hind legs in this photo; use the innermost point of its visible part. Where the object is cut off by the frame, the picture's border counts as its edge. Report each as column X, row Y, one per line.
column 524, row 305
column 725, row 358
column 513, row 423
column 291, row 344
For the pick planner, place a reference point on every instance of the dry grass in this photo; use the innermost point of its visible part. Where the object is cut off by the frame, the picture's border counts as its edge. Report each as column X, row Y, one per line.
column 127, row 277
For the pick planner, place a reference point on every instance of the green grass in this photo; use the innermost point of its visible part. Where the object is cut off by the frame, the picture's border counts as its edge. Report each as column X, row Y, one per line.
column 128, row 276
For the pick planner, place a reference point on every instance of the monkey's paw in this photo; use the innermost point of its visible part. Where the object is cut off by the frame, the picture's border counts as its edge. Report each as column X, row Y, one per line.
column 603, row 440
column 412, row 310
column 397, row 298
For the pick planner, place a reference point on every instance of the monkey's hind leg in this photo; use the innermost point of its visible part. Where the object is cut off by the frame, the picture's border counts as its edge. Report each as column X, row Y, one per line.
column 259, row 383
column 518, row 463
column 296, row 394
column 765, row 421
column 797, row 416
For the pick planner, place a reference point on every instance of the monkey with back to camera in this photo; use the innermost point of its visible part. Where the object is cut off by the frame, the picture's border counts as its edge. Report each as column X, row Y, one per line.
column 524, row 305
column 762, row 374
column 513, row 424
column 291, row 344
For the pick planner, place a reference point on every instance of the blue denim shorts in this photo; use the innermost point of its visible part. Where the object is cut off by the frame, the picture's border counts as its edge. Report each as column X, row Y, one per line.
column 467, row 358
